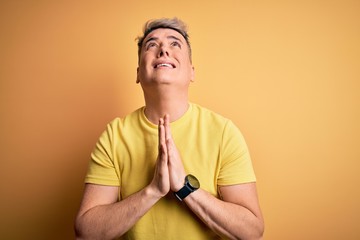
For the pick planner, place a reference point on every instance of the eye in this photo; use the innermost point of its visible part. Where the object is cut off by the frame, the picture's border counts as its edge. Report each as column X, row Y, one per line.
column 176, row 44
column 150, row 45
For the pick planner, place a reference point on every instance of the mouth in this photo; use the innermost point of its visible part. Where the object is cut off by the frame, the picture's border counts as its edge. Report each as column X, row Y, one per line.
column 164, row 65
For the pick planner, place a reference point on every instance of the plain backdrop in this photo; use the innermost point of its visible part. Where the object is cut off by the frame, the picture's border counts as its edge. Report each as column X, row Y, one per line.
column 286, row 72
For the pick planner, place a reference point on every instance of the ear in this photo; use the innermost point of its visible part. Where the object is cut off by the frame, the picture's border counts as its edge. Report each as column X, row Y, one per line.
column 192, row 74
column 137, row 75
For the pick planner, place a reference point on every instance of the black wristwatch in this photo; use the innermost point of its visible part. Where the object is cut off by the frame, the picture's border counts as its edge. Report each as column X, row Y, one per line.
column 191, row 184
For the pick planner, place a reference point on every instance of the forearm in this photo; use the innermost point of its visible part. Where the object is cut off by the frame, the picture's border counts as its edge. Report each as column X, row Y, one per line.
column 226, row 219
column 113, row 220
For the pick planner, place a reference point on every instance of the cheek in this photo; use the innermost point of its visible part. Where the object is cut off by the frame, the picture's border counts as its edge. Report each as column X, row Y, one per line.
column 142, row 66
column 142, row 61
column 142, row 57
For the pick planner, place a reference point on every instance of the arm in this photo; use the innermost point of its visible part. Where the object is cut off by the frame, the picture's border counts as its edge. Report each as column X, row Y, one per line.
column 236, row 216
column 102, row 216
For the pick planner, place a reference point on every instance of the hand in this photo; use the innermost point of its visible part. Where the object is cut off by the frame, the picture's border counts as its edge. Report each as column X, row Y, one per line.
column 161, row 181
column 175, row 166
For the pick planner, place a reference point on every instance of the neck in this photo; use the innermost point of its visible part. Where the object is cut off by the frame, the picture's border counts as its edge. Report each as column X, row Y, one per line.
column 167, row 102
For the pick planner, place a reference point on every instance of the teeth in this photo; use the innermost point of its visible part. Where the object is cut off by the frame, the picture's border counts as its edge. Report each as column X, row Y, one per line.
column 164, row 65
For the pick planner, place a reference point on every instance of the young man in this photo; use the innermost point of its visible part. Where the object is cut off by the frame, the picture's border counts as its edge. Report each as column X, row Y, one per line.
column 171, row 169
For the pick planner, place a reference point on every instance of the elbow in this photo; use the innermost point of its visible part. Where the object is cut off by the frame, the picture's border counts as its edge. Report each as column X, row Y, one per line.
column 259, row 231
column 85, row 231
column 78, row 234
column 256, row 232
column 79, row 231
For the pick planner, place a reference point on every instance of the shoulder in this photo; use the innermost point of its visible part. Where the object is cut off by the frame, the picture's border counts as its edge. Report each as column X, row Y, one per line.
column 121, row 125
column 120, row 122
column 215, row 122
column 209, row 117
column 207, row 113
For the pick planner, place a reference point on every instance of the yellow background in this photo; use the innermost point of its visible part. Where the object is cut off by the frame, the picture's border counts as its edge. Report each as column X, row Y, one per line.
column 287, row 73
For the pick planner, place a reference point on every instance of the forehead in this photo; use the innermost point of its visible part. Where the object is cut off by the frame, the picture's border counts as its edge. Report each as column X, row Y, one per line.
column 164, row 33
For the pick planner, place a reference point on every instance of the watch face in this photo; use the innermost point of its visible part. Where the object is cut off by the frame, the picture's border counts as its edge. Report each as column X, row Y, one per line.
column 193, row 181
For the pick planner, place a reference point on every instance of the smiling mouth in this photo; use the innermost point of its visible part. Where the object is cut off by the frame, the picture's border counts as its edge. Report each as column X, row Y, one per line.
column 164, row 65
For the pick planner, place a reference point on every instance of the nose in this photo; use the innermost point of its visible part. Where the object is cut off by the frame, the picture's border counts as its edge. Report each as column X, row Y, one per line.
column 163, row 51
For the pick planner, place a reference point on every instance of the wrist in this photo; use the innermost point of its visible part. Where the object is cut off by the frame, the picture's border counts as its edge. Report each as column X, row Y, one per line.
column 179, row 184
column 152, row 193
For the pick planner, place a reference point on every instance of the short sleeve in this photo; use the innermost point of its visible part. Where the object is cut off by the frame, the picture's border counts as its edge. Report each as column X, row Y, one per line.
column 101, row 166
column 236, row 166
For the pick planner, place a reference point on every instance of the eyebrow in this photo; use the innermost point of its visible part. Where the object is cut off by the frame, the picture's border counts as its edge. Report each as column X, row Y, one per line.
column 168, row 37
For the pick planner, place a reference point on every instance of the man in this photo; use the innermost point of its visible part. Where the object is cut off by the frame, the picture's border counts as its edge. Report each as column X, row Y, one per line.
column 172, row 169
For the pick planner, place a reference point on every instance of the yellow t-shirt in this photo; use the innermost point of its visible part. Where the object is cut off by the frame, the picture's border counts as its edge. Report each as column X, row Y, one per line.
column 211, row 147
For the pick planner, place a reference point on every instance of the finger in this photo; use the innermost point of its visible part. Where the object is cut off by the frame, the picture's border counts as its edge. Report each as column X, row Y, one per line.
column 169, row 139
column 161, row 132
column 170, row 146
column 162, row 142
column 168, row 135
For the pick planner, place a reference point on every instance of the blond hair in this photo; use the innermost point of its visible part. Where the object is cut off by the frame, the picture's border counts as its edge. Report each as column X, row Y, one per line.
column 171, row 23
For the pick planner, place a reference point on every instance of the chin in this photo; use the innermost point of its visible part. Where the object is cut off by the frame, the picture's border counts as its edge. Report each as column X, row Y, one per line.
column 163, row 79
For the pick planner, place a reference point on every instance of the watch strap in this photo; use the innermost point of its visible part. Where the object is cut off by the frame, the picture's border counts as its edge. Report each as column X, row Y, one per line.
column 183, row 192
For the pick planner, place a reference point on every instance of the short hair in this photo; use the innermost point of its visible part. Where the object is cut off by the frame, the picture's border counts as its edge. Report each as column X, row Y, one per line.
column 170, row 23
